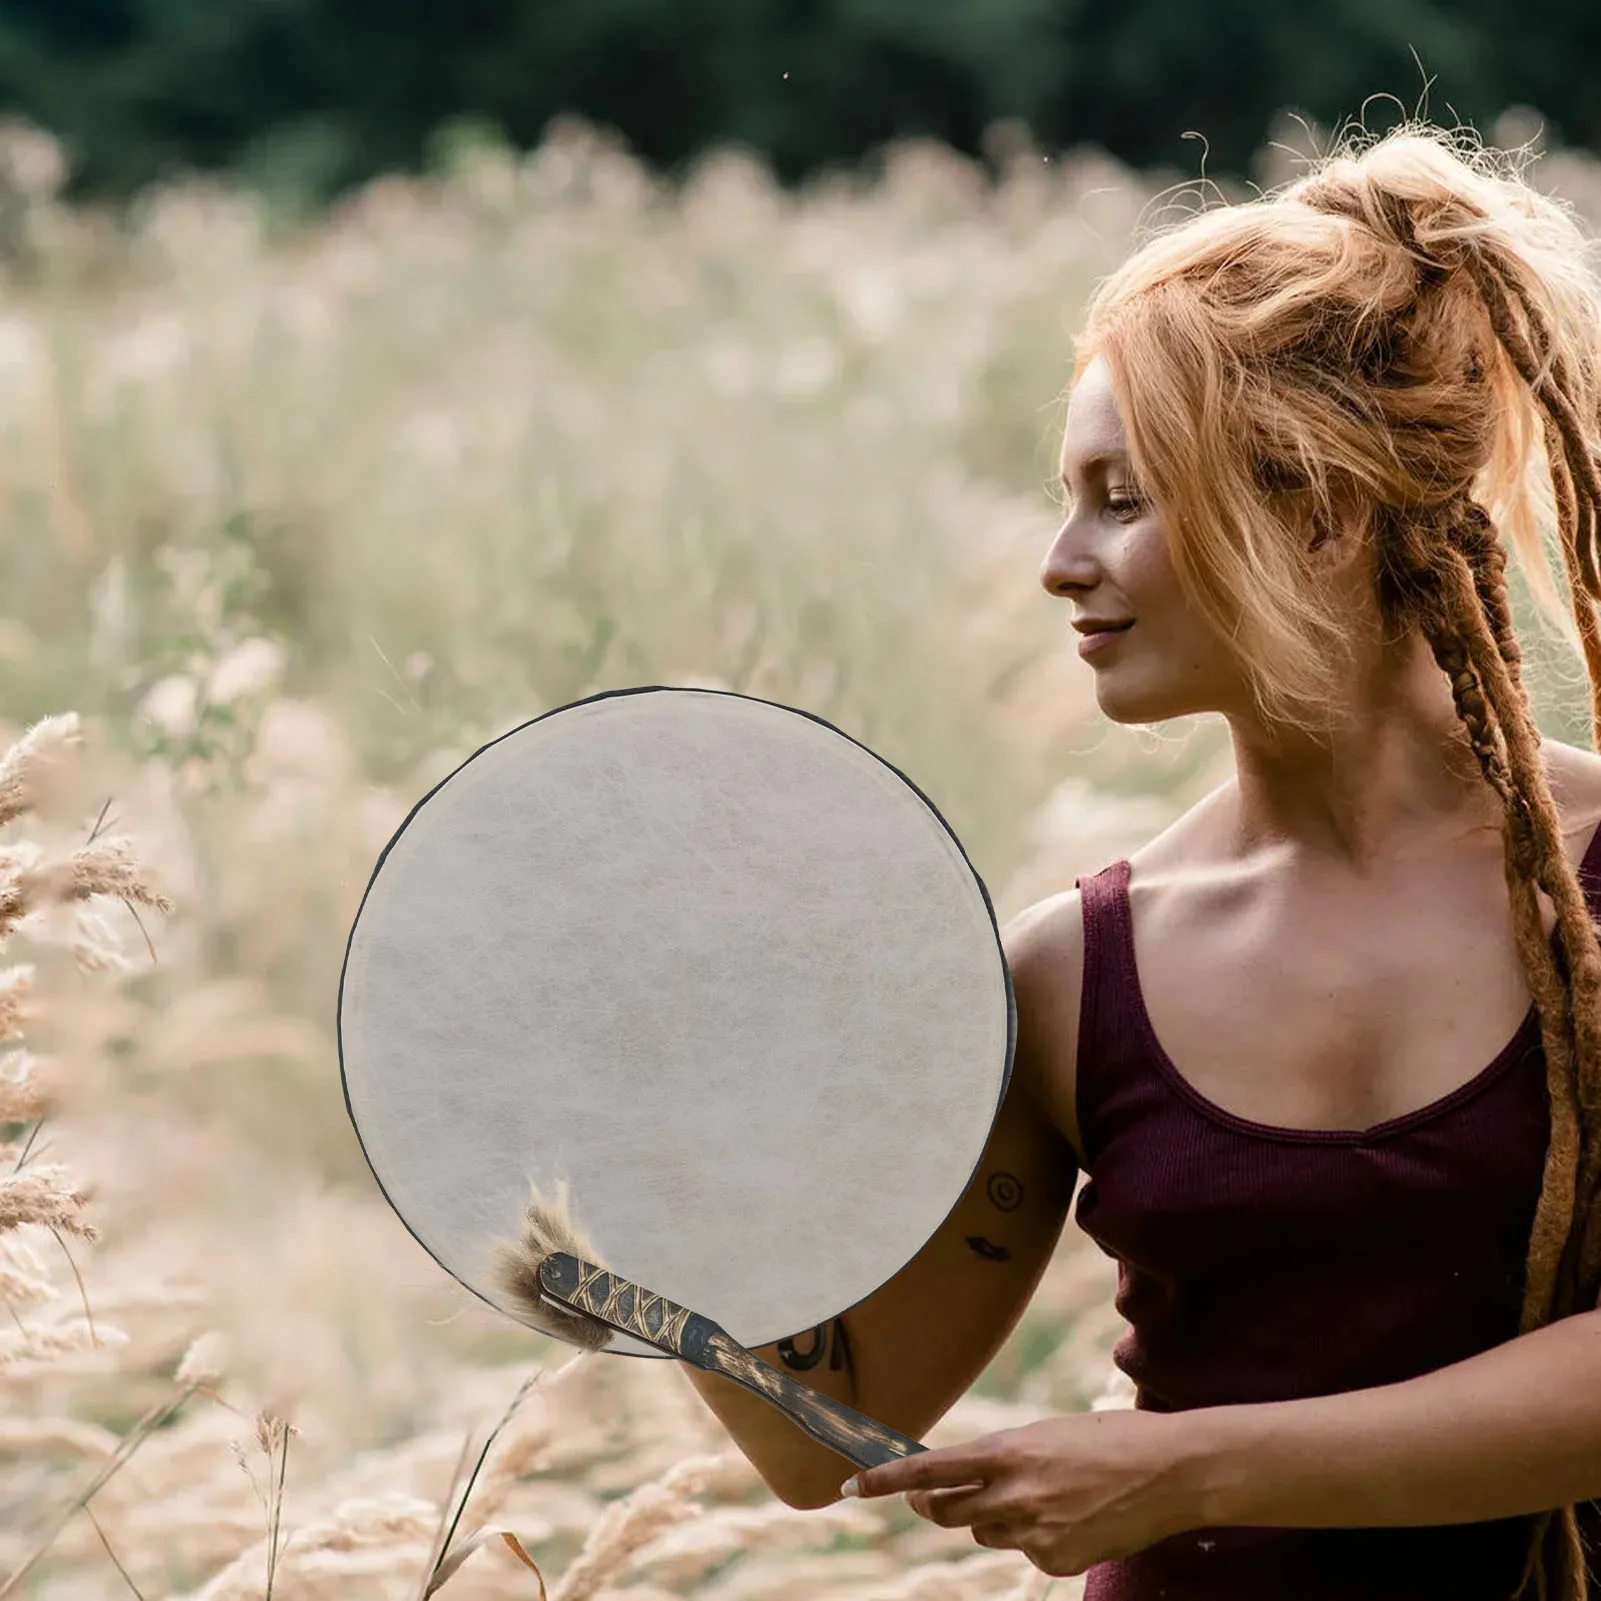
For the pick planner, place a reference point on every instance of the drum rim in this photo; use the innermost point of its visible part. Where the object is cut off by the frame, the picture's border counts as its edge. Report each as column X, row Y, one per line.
column 617, row 694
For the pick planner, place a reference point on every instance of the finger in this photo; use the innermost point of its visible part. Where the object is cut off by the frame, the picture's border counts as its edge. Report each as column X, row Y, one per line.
column 954, row 1466
column 996, row 1536
column 923, row 1502
column 953, row 1509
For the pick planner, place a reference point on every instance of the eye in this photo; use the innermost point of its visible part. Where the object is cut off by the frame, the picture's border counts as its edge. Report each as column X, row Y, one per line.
column 1124, row 507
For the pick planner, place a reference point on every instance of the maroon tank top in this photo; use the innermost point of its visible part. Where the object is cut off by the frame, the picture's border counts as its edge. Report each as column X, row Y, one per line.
column 1265, row 1264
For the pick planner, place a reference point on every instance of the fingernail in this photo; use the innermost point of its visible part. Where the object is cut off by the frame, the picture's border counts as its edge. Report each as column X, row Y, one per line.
column 849, row 1488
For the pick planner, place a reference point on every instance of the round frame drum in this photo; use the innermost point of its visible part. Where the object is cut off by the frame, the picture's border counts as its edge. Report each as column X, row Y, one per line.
column 705, row 958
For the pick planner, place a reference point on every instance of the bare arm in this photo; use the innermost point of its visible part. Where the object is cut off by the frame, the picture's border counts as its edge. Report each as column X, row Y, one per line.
column 1512, row 1430
column 912, row 1348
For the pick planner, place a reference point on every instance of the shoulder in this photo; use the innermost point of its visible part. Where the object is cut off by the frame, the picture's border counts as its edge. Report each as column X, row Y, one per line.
column 1575, row 779
column 1044, row 946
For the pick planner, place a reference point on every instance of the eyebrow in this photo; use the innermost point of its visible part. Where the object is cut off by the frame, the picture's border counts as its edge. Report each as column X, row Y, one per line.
column 1102, row 458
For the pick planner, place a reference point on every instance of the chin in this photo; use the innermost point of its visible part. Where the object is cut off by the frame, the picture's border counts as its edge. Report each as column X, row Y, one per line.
column 1129, row 704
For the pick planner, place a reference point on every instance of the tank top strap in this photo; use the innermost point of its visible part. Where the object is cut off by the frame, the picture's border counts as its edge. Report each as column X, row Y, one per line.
column 1590, row 874
column 1108, row 1034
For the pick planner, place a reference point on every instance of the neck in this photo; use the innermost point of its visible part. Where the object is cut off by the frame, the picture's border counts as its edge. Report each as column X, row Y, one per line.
column 1394, row 767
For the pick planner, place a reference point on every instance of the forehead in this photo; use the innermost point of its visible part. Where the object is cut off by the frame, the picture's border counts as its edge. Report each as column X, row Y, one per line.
column 1093, row 427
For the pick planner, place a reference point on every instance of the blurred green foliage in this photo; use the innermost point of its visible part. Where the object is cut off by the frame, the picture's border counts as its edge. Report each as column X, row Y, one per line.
column 309, row 96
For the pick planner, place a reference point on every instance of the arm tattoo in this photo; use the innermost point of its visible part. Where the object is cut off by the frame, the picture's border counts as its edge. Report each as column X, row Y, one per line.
column 800, row 1360
column 840, row 1356
column 837, row 1350
column 988, row 1249
column 1005, row 1191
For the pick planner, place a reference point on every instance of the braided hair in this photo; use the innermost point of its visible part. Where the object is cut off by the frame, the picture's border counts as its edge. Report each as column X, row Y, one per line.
column 1409, row 330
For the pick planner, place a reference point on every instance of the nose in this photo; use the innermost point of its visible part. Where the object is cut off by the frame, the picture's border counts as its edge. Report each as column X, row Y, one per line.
column 1068, row 569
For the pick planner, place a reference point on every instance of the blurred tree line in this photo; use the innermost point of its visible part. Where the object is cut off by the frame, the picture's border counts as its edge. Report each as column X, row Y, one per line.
column 315, row 94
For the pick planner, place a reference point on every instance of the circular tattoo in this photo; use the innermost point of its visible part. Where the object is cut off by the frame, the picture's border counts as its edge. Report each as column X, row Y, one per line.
column 1005, row 1191
column 793, row 1357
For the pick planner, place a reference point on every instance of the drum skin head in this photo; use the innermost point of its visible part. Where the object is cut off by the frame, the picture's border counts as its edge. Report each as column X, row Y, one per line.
column 712, row 962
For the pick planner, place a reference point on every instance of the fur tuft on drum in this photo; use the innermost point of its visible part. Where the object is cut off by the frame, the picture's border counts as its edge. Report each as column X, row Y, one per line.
column 704, row 960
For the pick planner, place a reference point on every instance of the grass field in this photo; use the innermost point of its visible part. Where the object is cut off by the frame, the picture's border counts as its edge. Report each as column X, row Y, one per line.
column 297, row 517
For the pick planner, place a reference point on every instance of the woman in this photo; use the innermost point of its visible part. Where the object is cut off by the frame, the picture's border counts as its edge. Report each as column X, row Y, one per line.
column 1361, row 1267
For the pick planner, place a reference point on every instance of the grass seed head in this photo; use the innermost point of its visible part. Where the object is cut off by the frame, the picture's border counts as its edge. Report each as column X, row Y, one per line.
column 44, row 1194
column 26, row 769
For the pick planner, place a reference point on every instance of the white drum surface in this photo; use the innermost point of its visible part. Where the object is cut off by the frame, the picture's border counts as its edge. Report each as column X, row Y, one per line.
column 711, row 961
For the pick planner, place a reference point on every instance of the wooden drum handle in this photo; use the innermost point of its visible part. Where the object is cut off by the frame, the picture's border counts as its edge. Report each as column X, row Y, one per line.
column 621, row 1304
column 853, row 1434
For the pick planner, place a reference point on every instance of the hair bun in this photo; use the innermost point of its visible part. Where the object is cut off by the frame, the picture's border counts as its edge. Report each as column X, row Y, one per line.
column 1353, row 190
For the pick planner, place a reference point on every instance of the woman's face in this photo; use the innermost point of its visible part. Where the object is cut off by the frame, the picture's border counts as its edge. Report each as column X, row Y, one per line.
column 1110, row 558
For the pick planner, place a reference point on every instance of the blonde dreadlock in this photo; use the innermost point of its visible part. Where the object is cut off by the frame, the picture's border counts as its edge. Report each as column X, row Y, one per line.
column 1404, row 329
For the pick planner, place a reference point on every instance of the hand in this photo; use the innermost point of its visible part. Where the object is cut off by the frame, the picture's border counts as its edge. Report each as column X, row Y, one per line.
column 1067, row 1492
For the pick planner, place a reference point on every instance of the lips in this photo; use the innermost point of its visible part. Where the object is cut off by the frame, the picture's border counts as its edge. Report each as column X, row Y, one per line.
column 1099, row 639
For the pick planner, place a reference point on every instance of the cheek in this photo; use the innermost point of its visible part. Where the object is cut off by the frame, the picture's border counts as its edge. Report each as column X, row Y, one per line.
column 1180, row 643
column 1148, row 572
column 1155, row 584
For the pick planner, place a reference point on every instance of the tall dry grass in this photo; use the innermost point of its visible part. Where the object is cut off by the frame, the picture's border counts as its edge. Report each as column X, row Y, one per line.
column 297, row 518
